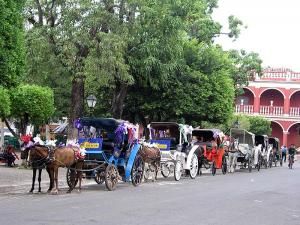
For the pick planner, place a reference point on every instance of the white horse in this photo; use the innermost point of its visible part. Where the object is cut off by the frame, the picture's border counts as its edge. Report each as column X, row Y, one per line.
column 256, row 152
column 232, row 155
column 269, row 152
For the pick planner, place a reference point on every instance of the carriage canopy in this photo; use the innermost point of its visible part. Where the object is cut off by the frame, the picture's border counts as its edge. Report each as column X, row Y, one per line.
column 159, row 130
column 108, row 124
column 261, row 139
column 207, row 134
column 274, row 141
column 243, row 136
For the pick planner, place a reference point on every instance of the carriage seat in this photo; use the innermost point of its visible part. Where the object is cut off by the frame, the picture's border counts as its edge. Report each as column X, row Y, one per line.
column 108, row 146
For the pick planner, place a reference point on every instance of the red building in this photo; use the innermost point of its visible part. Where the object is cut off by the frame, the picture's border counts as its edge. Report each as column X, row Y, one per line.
column 276, row 96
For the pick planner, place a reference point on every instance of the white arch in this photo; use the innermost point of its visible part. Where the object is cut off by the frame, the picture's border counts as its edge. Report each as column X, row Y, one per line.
column 292, row 125
column 294, row 93
column 272, row 89
column 250, row 91
column 278, row 124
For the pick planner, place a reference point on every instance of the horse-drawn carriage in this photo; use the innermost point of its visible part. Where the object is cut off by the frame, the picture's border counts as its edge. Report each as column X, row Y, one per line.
column 241, row 149
column 112, row 152
column 262, row 141
column 176, row 155
column 276, row 151
column 208, row 143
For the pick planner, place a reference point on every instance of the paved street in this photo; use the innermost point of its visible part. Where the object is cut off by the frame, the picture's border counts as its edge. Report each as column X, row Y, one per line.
column 268, row 197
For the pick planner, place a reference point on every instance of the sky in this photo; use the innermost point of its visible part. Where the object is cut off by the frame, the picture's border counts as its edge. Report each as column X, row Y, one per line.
column 273, row 30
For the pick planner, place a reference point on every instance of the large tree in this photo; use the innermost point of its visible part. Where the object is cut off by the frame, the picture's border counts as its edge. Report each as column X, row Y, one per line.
column 31, row 104
column 142, row 58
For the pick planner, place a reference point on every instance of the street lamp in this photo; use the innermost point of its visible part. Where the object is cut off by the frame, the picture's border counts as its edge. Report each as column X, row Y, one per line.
column 236, row 124
column 91, row 101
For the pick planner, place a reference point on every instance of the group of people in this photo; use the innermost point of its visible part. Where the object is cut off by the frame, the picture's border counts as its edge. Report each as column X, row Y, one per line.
column 291, row 151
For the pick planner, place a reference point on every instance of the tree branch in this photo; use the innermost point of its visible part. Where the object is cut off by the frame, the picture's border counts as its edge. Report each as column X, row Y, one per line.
column 40, row 12
column 10, row 129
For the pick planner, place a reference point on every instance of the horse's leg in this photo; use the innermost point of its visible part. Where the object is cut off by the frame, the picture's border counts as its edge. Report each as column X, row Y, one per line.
column 230, row 161
column 50, row 178
column 55, row 178
column 79, row 174
column 39, row 179
column 156, row 169
column 33, row 179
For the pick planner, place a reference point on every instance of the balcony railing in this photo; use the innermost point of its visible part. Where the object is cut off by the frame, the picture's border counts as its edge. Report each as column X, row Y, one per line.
column 246, row 109
column 271, row 110
column 267, row 110
column 294, row 111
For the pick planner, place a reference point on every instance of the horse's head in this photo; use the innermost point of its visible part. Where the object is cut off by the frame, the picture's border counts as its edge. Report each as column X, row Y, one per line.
column 234, row 145
column 35, row 153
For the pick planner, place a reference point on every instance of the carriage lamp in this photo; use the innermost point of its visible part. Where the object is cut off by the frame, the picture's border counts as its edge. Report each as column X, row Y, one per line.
column 91, row 101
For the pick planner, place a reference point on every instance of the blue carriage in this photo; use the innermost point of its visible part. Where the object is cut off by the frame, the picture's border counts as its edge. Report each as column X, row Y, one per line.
column 112, row 152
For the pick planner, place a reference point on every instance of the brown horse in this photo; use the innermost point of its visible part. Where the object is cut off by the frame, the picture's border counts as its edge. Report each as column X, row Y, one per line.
column 38, row 158
column 65, row 157
column 151, row 157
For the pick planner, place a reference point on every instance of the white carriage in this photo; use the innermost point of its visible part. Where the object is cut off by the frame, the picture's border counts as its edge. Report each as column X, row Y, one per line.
column 265, row 150
column 176, row 154
column 242, row 151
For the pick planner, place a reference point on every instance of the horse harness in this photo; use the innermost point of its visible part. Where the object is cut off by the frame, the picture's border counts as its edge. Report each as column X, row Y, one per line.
column 44, row 161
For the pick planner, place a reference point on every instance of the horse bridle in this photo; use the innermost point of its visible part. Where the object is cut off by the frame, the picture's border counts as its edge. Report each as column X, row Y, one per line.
column 41, row 162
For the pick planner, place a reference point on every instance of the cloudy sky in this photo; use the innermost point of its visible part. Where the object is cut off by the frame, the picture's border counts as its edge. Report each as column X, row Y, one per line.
column 273, row 29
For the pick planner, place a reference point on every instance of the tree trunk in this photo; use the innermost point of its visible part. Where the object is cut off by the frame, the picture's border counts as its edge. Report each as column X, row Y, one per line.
column 77, row 105
column 10, row 129
column 118, row 100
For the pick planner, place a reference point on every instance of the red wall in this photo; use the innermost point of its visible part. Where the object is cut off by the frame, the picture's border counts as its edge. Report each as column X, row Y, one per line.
column 293, row 136
column 277, row 131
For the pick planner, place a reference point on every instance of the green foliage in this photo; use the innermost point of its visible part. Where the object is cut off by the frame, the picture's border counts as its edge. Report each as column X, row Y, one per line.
column 34, row 102
column 241, row 121
column 4, row 102
column 260, row 125
column 11, row 42
column 246, row 66
column 234, row 26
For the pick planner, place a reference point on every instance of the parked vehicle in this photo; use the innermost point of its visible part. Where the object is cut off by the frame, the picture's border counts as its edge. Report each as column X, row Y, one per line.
column 176, row 154
column 266, row 150
column 242, row 144
column 112, row 152
column 276, row 156
column 210, row 149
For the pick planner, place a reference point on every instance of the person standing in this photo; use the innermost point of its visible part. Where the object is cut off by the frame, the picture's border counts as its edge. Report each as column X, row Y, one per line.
column 284, row 150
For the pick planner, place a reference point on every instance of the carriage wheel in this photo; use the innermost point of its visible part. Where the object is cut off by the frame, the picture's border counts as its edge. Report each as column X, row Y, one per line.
column 213, row 168
column 178, row 170
column 111, row 177
column 249, row 165
column 194, row 167
column 137, row 171
column 224, row 165
column 165, row 170
column 99, row 177
column 72, row 178
column 270, row 162
column 266, row 163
